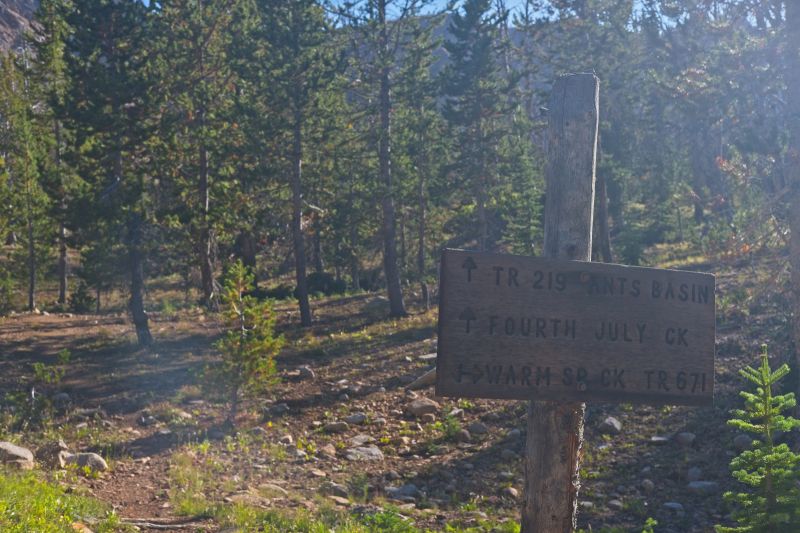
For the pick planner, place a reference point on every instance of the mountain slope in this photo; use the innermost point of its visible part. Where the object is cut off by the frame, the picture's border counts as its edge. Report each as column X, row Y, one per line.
column 15, row 17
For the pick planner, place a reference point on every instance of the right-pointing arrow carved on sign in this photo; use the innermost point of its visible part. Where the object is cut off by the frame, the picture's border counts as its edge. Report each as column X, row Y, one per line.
column 470, row 265
column 468, row 315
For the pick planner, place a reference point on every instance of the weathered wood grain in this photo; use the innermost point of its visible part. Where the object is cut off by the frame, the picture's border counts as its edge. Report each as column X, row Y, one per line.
column 535, row 328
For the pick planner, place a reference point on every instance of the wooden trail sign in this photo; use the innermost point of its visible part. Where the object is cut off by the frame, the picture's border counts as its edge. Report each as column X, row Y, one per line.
column 533, row 328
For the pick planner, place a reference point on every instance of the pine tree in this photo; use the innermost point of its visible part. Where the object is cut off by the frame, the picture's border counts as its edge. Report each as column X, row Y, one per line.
column 769, row 469
column 109, row 107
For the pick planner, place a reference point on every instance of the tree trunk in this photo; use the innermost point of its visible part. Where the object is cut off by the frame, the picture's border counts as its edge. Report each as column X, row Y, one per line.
column 297, row 214
column 792, row 67
column 396, row 306
column 603, row 234
column 555, row 430
column 206, row 242
column 319, row 264
column 63, row 267
column 136, row 265
column 422, row 206
column 31, row 264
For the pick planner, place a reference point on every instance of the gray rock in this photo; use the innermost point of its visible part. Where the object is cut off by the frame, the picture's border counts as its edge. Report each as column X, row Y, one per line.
column 407, row 491
column 463, row 436
column 328, row 450
column 286, row 440
column 428, row 418
column 361, row 440
column 336, row 427
column 271, row 489
column 91, row 460
column 16, row 456
column 511, row 492
column 694, row 474
column 658, row 441
column 615, row 505
column 647, row 485
column 456, row 413
column 506, row 475
column 421, row 406
column 703, row 488
column 356, row 418
column 306, row 372
column 258, row 431
column 514, row 434
column 742, row 442
column 586, row 505
column 478, row 428
column 279, row 409
column 428, row 357
column 333, row 488
column 508, row 455
column 364, row 453
column 685, row 438
column 675, row 507
column 610, row 426
column 61, row 401
column 428, row 379
column 380, row 421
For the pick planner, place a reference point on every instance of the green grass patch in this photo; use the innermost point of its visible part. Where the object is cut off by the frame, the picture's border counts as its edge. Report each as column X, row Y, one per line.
column 27, row 503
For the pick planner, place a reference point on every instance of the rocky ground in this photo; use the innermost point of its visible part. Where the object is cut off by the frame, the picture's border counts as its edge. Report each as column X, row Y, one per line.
column 343, row 430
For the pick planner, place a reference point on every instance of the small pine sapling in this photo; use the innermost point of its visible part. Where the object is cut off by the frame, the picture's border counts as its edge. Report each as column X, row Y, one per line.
column 249, row 345
column 773, row 503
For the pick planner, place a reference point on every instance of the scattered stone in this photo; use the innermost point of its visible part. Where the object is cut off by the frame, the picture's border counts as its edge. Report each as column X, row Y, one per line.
column 17, row 456
column 511, row 492
column 148, row 420
column 297, row 453
column 648, row 486
column 694, row 474
column 336, row 427
column 421, row 406
column 331, row 487
column 610, row 426
column 61, row 401
column 286, row 440
column 343, row 397
column 428, row 357
column 675, row 507
column 615, row 504
column 478, row 428
column 658, row 441
column 586, row 505
column 463, row 435
column 703, row 488
column 428, row 418
column 428, row 379
column 356, row 418
column 506, row 475
column 508, row 455
column 258, row 431
column 407, row 492
column 514, row 434
column 742, row 442
column 279, row 409
column 305, row 372
column 92, row 460
column 364, row 453
column 380, row 421
column 456, row 413
column 340, row 501
column 316, row 472
column 361, row 440
column 328, row 450
column 685, row 438
column 270, row 490
column 53, row 455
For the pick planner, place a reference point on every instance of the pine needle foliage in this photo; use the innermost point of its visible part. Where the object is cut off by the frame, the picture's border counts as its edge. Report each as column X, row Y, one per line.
column 249, row 346
column 770, row 470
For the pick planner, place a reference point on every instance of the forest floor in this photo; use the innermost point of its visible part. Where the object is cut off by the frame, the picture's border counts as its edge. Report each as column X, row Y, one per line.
column 158, row 419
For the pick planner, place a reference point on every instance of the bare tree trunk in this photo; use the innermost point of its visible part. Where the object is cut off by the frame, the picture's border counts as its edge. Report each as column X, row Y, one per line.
column 391, row 270
column 421, row 222
column 792, row 66
column 555, row 431
column 297, row 214
column 603, row 234
column 63, row 267
column 136, row 263
column 206, row 242
column 31, row 263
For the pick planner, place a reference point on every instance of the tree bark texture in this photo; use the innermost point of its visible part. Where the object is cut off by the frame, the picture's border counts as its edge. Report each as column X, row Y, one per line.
column 297, row 219
column 391, row 270
column 136, row 264
column 555, row 430
column 206, row 242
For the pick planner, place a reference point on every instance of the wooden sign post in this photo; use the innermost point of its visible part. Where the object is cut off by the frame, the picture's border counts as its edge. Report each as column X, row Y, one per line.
column 560, row 330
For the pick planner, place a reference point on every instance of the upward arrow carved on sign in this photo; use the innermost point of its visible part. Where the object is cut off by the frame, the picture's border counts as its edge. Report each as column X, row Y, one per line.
column 470, row 265
column 467, row 315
